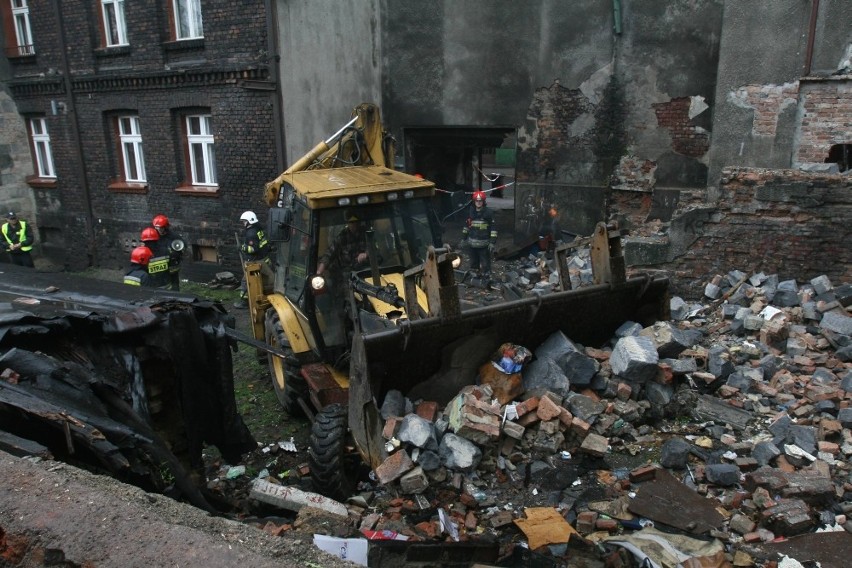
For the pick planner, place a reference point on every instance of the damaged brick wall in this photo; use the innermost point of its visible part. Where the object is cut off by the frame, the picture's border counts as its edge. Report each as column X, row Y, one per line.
column 688, row 138
column 554, row 137
column 826, row 106
column 786, row 222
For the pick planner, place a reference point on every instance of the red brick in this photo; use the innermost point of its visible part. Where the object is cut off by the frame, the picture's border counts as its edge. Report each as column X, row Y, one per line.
column 391, row 427
column 427, row 409
column 547, row 409
column 394, row 467
column 526, row 406
column 644, row 473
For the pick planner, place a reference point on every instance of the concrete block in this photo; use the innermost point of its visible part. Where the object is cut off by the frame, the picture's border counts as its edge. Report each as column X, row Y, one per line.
column 414, row 481
column 293, row 499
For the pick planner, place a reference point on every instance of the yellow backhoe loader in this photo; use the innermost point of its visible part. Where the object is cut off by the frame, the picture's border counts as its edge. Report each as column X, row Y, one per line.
column 339, row 341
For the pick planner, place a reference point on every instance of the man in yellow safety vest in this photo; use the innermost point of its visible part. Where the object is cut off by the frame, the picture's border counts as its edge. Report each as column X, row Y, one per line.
column 18, row 240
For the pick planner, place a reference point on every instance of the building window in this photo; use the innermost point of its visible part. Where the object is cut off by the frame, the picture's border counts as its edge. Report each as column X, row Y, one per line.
column 132, row 158
column 187, row 15
column 202, row 159
column 115, row 29
column 23, row 33
column 41, row 148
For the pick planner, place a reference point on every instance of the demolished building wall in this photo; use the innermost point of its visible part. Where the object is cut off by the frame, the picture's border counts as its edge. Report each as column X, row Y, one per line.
column 787, row 221
column 767, row 48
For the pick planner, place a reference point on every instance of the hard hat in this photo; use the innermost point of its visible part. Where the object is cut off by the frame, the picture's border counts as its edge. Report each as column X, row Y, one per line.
column 249, row 216
column 479, row 194
column 141, row 255
column 350, row 216
column 160, row 222
column 150, row 234
column 419, row 176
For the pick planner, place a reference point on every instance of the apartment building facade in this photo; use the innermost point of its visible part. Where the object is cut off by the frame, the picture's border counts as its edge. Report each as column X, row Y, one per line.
column 133, row 109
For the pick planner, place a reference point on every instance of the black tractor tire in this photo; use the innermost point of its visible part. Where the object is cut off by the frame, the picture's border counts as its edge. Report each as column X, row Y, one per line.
column 288, row 383
column 333, row 470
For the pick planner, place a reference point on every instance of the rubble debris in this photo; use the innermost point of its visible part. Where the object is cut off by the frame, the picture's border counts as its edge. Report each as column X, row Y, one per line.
column 130, row 383
column 763, row 452
column 652, row 547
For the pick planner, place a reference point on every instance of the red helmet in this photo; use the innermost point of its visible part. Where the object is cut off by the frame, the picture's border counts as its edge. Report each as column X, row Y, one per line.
column 150, row 234
column 479, row 194
column 141, row 255
column 160, row 222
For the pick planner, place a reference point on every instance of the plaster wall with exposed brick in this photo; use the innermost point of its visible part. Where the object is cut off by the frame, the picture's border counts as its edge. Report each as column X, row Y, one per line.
column 826, row 111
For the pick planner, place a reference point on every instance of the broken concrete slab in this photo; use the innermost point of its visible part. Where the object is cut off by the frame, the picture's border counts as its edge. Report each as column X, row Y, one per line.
column 711, row 408
column 666, row 500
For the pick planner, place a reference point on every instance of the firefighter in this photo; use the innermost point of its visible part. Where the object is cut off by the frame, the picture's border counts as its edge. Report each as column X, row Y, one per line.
column 349, row 249
column 174, row 244
column 255, row 248
column 480, row 235
column 158, row 265
column 18, row 240
column 138, row 275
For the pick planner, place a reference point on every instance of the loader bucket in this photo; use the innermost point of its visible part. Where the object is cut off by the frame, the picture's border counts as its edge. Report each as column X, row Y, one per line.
column 432, row 358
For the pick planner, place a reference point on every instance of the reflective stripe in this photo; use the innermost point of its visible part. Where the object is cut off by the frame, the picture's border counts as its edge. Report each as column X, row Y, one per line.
column 133, row 280
column 160, row 264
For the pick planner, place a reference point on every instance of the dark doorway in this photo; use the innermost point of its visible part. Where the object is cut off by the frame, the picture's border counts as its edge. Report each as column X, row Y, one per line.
column 462, row 159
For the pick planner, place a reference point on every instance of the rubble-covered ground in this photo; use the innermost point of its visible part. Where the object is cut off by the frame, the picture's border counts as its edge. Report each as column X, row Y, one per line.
column 724, row 434
column 721, row 437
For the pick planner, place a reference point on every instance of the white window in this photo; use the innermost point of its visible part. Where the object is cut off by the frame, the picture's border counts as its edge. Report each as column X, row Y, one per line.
column 131, row 148
column 199, row 136
column 188, row 19
column 41, row 146
column 115, row 28
column 23, row 33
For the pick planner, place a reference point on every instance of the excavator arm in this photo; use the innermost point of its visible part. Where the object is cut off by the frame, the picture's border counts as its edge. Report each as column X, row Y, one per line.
column 361, row 142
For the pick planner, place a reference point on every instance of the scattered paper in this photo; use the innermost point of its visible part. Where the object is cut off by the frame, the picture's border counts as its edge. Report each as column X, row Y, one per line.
column 447, row 525
column 351, row 549
column 544, row 525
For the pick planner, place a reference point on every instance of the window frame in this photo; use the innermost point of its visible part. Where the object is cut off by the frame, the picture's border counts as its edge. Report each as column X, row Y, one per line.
column 119, row 25
column 193, row 21
column 200, row 144
column 131, row 140
column 20, row 22
column 41, row 148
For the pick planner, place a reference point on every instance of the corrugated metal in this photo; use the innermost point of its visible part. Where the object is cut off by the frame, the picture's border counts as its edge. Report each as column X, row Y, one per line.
column 323, row 187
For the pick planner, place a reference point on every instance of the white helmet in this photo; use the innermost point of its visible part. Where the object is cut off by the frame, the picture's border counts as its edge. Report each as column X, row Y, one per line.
column 249, row 216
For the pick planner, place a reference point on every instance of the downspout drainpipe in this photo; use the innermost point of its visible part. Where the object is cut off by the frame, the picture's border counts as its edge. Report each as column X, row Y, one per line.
column 809, row 55
column 274, row 59
column 616, row 16
column 74, row 125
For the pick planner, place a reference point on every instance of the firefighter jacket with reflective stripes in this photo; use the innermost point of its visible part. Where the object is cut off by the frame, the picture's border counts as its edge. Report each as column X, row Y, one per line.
column 158, row 266
column 480, row 230
column 22, row 235
column 255, row 246
column 137, row 276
